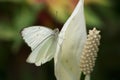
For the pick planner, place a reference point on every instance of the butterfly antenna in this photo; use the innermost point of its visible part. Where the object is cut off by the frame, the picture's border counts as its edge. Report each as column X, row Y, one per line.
column 56, row 14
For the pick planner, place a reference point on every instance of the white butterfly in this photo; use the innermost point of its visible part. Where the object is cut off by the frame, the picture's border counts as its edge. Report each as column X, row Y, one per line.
column 42, row 41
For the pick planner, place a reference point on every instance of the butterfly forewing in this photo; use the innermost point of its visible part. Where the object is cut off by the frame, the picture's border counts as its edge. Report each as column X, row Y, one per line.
column 33, row 36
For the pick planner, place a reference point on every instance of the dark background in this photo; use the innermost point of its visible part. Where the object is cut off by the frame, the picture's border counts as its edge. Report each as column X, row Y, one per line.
column 17, row 14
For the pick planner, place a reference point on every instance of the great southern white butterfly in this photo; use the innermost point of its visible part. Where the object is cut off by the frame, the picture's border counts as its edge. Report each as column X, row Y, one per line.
column 42, row 41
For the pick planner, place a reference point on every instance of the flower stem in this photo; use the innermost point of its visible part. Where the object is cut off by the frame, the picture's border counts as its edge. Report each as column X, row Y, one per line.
column 82, row 76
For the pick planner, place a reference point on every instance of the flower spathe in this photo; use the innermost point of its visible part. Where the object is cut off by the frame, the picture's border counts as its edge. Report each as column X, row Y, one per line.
column 70, row 45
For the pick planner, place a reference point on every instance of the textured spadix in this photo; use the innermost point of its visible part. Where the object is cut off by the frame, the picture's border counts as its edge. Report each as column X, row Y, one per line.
column 89, row 54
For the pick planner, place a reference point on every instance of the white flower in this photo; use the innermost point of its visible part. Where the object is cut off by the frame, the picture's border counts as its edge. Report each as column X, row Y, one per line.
column 72, row 39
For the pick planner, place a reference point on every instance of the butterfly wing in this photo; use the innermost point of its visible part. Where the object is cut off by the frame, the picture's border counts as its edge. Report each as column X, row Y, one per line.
column 33, row 36
column 46, row 51
column 41, row 40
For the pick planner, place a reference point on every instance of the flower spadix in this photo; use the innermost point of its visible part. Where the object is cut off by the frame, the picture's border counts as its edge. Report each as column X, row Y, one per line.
column 89, row 53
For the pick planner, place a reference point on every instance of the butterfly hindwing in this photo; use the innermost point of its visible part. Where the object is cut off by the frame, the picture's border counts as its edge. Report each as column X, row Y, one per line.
column 46, row 51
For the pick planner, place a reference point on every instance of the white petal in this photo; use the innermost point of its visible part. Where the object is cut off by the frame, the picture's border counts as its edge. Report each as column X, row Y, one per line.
column 70, row 43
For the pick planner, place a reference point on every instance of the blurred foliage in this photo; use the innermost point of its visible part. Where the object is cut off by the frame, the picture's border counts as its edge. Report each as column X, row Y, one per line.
column 17, row 14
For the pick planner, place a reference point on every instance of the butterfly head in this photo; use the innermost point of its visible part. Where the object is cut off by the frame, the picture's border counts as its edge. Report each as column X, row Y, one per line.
column 56, row 31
